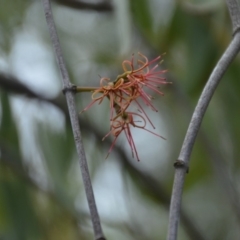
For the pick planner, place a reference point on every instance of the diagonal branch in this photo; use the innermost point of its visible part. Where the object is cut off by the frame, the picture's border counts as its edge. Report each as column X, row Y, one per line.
column 234, row 11
column 182, row 163
column 69, row 93
column 104, row 6
column 12, row 84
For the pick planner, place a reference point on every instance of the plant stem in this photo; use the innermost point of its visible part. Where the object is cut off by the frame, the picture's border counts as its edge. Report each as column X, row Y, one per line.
column 182, row 163
column 86, row 89
column 69, row 93
column 234, row 12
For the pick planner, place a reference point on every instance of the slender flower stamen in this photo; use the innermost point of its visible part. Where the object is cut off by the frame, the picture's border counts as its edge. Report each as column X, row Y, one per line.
column 122, row 124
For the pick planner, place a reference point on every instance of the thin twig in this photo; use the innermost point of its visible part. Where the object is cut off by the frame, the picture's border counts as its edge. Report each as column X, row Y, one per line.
column 218, row 162
column 234, row 11
column 67, row 86
column 104, row 6
column 182, row 163
column 12, row 84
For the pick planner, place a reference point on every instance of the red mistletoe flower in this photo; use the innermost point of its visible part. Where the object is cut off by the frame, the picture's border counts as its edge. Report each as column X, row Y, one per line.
column 129, row 87
column 122, row 124
column 142, row 77
column 113, row 91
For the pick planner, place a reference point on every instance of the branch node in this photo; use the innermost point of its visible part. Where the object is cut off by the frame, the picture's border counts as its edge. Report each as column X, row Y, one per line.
column 70, row 88
column 236, row 29
column 181, row 164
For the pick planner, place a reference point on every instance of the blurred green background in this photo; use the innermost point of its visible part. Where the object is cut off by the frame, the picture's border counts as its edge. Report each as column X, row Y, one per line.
column 41, row 190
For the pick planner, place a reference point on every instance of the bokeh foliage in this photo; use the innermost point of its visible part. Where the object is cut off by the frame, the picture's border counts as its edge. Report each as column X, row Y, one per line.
column 41, row 190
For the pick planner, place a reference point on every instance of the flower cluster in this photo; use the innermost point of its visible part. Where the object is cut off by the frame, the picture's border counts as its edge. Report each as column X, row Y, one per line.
column 129, row 87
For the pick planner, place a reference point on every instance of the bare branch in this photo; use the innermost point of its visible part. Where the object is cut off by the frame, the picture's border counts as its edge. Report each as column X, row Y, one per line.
column 234, row 11
column 182, row 163
column 13, row 85
column 103, row 6
column 69, row 93
column 220, row 168
column 10, row 83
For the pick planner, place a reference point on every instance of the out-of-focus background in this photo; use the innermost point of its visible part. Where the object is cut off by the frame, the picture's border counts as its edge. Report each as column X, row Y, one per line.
column 41, row 190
